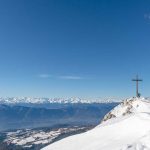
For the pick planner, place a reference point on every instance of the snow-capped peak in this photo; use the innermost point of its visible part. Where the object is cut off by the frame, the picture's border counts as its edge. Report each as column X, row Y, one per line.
column 73, row 100
column 128, row 106
column 128, row 130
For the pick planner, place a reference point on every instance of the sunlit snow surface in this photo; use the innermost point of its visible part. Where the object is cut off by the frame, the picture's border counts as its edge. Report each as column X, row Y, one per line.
column 73, row 100
column 28, row 138
column 126, row 127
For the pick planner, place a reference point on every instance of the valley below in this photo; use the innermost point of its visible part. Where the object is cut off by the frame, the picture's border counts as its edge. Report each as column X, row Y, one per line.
column 35, row 139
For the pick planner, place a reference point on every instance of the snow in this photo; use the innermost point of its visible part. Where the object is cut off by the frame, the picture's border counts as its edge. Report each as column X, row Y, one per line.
column 74, row 100
column 131, row 105
column 24, row 141
column 28, row 138
column 128, row 130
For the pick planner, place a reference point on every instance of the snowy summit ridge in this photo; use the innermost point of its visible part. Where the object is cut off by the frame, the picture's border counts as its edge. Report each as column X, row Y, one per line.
column 129, row 106
column 126, row 127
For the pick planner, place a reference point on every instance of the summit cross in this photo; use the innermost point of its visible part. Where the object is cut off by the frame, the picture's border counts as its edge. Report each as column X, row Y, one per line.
column 137, row 86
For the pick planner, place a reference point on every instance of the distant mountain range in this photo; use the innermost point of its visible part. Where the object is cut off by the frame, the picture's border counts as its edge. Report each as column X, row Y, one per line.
column 29, row 100
column 19, row 116
column 26, row 112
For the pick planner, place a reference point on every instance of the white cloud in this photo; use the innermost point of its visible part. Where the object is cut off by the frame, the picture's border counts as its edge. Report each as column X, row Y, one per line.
column 44, row 76
column 71, row 77
column 65, row 77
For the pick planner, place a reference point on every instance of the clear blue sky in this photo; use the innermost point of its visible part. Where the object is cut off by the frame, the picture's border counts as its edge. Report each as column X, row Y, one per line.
column 64, row 48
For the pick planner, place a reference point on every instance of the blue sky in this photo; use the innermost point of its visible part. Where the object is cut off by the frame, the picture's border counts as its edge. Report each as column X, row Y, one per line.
column 65, row 48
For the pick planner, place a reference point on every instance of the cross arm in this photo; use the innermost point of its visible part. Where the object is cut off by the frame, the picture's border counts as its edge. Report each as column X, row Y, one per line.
column 137, row 80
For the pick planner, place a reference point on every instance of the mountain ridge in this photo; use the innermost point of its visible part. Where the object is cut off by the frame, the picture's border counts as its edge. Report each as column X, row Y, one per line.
column 19, row 116
column 72, row 100
column 128, row 129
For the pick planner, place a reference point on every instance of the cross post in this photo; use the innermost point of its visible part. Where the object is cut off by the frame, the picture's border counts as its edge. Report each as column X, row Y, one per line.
column 137, row 86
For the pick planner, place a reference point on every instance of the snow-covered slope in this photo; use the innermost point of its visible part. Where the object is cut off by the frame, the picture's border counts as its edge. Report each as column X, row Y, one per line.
column 128, row 106
column 27, row 100
column 128, row 129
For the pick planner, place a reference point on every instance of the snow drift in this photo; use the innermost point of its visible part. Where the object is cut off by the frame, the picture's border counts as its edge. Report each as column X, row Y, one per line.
column 126, row 127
